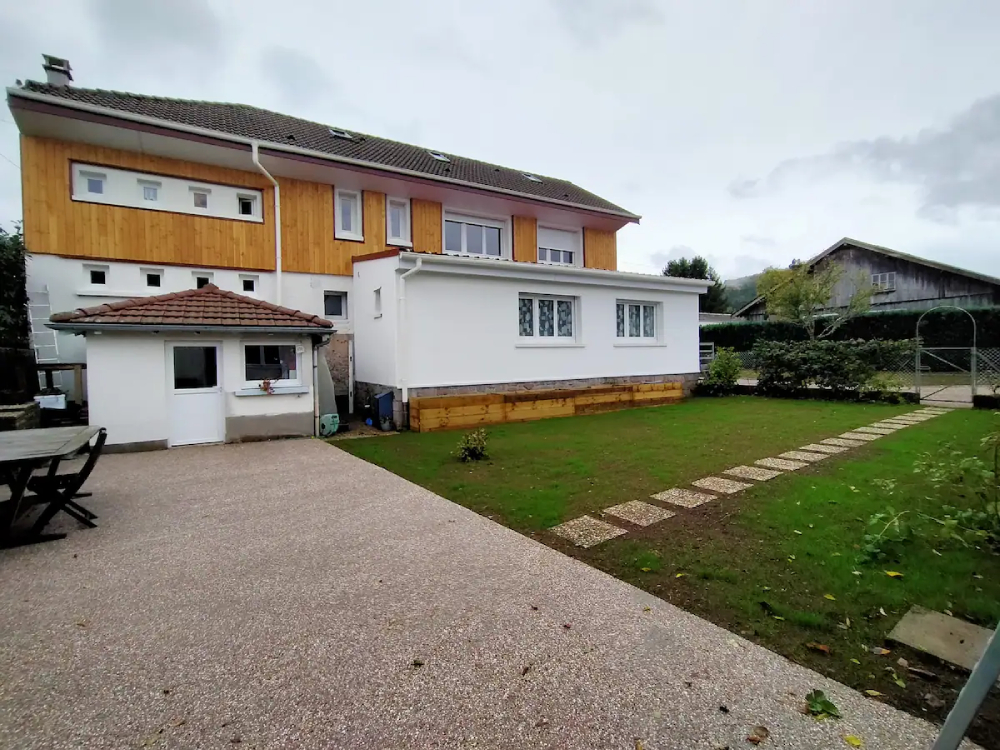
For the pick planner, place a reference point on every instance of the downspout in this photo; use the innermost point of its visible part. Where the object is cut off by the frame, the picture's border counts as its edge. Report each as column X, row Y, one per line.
column 317, row 342
column 401, row 343
column 255, row 154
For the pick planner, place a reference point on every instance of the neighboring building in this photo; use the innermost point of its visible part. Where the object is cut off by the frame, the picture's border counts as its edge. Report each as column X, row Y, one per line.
column 903, row 282
column 437, row 271
column 707, row 318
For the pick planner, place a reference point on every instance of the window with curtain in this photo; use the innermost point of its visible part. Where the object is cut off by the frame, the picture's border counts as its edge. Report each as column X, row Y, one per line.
column 544, row 318
column 635, row 320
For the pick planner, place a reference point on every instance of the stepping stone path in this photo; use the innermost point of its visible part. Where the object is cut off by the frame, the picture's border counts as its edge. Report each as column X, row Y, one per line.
column 752, row 472
column 683, row 498
column 718, row 484
column 639, row 513
column 783, row 464
column 803, row 456
column 586, row 531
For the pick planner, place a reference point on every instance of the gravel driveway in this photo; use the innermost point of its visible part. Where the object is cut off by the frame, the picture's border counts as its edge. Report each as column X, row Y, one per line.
column 288, row 595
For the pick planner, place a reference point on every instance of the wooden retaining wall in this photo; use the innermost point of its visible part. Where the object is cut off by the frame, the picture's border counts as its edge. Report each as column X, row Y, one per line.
column 432, row 413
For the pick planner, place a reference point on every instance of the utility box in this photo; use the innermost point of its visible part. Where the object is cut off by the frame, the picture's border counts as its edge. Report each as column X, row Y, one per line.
column 383, row 410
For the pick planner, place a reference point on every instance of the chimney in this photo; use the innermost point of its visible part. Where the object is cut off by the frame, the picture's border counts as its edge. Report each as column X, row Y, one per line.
column 57, row 70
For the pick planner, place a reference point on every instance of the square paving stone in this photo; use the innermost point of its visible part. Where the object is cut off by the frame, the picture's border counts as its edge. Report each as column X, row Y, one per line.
column 639, row 513
column 586, row 531
column 875, row 430
column 718, row 484
column 820, row 448
column 887, row 425
column 783, row 464
column 803, row 456
column 752, row 472
column 946, row 637
column 842, row 443
column 683, row 498
column 865, row 436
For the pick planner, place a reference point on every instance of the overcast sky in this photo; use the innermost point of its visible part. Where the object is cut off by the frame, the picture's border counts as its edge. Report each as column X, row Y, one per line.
column 750, row 132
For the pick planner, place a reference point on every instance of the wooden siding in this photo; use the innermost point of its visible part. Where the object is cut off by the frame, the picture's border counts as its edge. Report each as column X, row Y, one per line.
column 56, row 224
column 308, row 244
column 426, row 220
column 453, row 412
column 600, row 249
column 525, row 239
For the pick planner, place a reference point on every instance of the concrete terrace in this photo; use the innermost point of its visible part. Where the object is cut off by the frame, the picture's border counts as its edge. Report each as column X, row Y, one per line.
column 289, row 595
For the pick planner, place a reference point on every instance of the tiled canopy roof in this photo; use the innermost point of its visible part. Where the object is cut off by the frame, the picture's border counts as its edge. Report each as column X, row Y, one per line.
column 251, row 122
column 195, row 308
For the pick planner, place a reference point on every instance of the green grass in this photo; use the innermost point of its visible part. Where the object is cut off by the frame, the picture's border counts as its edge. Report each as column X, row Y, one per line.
column 546, row 472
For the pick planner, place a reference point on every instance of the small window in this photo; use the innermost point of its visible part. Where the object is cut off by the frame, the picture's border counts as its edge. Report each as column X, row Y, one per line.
column 439, row 156
column 635, row 320
column 532, row 177
column 153, row 279
column 200, row 199
column 884, row 282
column 471, row 236
column 94, row 182
column 557, row 257
column 271, row 362
column 247, row 205
column 248, row 284
column 202, row 280
column 337, row 133
column 98, row 276
column 150, row 191
column 335, row 304
column 546, row 318
column 347, row 217
column 378, row 302
column 397, row 221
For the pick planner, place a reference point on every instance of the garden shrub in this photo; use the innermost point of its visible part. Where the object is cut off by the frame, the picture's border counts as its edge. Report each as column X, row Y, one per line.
column 789, row 367
column 723, row 373
column 472, row 446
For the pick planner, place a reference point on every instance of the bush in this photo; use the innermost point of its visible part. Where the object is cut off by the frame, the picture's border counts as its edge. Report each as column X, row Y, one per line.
column 472, row 446
column 786, row 368
column 723, row 373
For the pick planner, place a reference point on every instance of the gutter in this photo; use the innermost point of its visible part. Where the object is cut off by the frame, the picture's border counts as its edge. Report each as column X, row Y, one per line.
column 288, row 149
column 402, row 344
column 255, row 155
column 147, row 328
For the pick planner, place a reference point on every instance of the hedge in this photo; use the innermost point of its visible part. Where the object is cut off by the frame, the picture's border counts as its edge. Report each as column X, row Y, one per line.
column 939, row 328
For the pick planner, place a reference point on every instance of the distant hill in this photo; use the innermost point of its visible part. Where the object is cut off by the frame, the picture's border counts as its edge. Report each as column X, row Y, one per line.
column 740, row 291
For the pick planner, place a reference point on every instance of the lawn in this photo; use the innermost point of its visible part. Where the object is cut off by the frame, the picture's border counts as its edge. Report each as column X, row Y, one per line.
column 778, row 563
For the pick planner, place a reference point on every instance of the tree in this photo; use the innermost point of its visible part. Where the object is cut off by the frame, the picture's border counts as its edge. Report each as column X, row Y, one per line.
column 14, row 321
column 697, row 268
column 802, row 294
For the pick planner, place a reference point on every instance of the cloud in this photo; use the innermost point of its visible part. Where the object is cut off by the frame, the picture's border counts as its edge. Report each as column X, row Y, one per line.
column 159, row 30
column 954, row 168
column 297, row 78
column 661, row 258
column 591, row 21
column 757, row 240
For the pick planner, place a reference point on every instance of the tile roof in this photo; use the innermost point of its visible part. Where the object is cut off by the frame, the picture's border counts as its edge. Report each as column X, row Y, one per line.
column 194, row 308
column 283, row 130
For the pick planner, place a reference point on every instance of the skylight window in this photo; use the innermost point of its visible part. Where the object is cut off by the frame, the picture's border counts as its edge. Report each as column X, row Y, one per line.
column 438, row 155
column 337, row 133
column 532, row 177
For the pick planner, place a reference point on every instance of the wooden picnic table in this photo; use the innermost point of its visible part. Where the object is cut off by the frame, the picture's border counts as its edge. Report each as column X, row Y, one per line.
column 24, row 451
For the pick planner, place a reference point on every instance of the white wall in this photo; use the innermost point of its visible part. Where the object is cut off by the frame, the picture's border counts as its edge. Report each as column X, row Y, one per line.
column 375, row 332
column 463, row 330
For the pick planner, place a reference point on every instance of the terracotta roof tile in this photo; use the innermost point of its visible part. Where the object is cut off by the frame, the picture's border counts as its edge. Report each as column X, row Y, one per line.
column 275, row 128
column 195, row 308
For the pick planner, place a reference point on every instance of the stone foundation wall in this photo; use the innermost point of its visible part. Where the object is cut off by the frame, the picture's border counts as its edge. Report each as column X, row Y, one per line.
column 337, row 353
column 687, row 379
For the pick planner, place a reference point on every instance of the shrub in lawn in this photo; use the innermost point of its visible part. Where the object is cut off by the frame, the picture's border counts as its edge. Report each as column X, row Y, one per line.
column 723, row 373
column 788, row 367
column 472, row 446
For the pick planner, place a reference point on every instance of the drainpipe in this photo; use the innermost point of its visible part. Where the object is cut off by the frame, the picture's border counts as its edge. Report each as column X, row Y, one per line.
column 255, row 154
column 401, row 343
column 317, row 342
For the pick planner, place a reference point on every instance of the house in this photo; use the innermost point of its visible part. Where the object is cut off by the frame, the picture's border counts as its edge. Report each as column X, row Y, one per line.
column 439, row 274
column 901, row 281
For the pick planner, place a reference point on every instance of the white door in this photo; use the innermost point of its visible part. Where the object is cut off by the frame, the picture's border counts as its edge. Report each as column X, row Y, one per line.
column 196, row 399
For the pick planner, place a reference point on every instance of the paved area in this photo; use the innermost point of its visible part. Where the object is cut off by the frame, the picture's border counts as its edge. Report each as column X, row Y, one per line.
column 287, row 595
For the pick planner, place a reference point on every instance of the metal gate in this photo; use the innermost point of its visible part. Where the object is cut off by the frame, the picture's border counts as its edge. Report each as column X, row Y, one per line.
column 946, row 373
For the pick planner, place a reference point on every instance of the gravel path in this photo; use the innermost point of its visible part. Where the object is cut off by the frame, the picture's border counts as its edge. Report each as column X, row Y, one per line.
column 290, row 595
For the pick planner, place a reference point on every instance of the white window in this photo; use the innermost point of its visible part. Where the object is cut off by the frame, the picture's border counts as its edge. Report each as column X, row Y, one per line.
column 199, row 197
column 248, row 284
column 202, row 278
column 546, row 318
column 247, row 205
column 347, row 216
column 96, row 275
column 93, row 182
column 397, row 221
column 277, row 363
column 636, row 320
column 335, row 305
column 153, row 277
column 475, row 236
column 884, row 282
column 150, row 190
column 559, row 247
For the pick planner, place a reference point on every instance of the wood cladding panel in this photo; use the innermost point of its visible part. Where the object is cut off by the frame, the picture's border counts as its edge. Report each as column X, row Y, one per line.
column 426, row 221
column 600, row 249
column 525, row 239
column 432, row 413
column 56, row 224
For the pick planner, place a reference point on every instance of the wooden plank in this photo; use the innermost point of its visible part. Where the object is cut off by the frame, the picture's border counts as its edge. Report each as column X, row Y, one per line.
column 443, row 402
column 426, row 222
column 600, row 249
column 462, row 411
column 525, row 232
